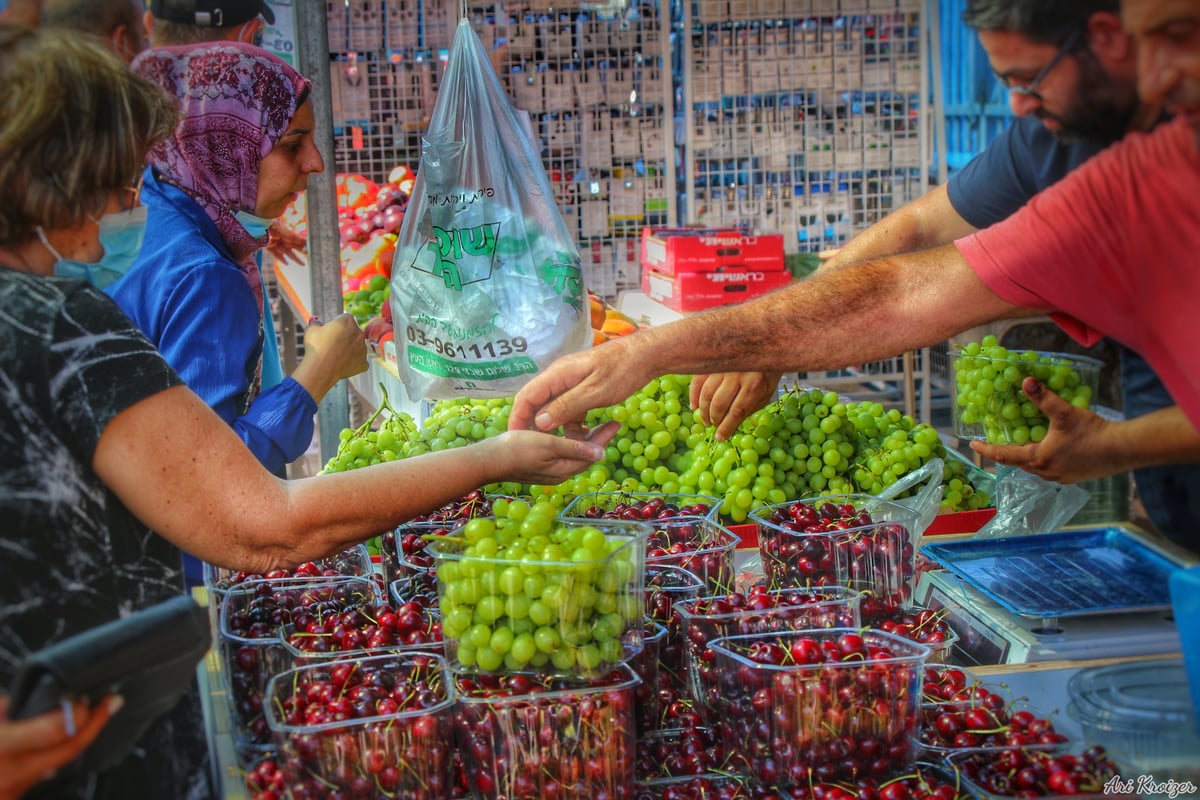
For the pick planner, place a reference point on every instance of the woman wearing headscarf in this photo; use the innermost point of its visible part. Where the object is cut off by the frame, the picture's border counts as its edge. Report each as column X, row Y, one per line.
column 242, row 152
column 111, row 465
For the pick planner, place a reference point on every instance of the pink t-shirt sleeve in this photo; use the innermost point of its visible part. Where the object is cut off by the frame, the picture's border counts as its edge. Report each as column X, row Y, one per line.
column 1069, row 249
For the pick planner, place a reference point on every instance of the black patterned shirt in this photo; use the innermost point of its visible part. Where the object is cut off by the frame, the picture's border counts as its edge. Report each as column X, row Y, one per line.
column 71, row 555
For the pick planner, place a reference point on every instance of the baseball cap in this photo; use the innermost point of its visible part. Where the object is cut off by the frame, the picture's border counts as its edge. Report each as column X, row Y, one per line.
column 211, row 13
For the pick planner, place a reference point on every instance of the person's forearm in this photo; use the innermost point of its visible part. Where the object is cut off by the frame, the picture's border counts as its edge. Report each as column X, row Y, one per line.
column 236, row 514
column 828, row 321
column 1161, row 437
column 926, row 222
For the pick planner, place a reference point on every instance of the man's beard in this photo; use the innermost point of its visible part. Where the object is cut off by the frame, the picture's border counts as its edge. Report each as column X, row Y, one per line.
column 1097, row 114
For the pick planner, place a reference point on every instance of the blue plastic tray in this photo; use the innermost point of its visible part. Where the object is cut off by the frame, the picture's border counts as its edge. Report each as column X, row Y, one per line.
column 1068, row 573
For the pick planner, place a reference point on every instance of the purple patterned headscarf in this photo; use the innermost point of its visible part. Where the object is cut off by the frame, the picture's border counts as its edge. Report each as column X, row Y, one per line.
column 237, row 100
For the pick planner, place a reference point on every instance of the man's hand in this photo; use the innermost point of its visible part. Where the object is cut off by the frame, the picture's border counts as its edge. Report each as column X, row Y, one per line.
column 727, row 398
column 284, row 243
column 573, row 385
column 1079, row 444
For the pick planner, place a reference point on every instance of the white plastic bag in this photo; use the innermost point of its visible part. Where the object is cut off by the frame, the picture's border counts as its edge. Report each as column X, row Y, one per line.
column 487, row 286
column 1027, row 504
column 926, row 501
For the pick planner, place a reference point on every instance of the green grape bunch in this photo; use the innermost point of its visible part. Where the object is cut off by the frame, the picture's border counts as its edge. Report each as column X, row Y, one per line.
column 990, row 403
column 385, row 436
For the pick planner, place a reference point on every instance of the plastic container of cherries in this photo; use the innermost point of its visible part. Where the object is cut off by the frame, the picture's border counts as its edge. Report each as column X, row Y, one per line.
column 840, row 702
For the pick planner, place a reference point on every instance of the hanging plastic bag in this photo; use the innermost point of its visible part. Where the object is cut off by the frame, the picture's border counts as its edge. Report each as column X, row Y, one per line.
column 487, row 285
column 1028, row 504
column 928, row 498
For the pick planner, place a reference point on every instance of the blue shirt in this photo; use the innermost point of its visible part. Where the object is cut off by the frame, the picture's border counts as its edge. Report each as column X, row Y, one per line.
column 1020, row 162
column 191, row 299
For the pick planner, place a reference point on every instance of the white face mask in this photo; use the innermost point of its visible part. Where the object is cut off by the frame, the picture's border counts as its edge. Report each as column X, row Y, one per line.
column 121, row 235
column 255, row 226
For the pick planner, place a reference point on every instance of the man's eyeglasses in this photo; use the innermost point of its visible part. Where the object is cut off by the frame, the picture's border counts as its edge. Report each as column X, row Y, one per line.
column 1030, row 89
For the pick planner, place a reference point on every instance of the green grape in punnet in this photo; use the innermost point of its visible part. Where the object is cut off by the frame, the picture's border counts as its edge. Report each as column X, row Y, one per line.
column 524, row 589
column 989, row 401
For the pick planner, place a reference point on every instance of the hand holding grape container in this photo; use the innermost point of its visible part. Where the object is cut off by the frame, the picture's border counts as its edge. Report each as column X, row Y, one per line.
column 528, row 736
column 540, row 593
column 375, row 728
column 707, row 619
column 820, row 705
column 853, row 540
column 990, row 404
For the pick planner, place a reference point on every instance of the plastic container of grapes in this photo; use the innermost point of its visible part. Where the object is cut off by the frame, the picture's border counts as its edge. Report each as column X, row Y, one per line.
column 704, row 621
column 250, row 647
column 876, row 557
column 584, row 617
column 354, row 561
column 529, row 735
column 700, row 545
column 989, row 403
column 641, row 505
column 346, row 745
column 787, row 718
column 1141, row 712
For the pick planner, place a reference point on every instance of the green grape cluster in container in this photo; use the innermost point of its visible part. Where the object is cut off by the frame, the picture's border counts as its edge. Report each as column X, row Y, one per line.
column 989, row 402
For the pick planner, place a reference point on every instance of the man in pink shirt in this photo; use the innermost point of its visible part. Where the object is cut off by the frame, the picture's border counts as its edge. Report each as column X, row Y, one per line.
column 1110, row 250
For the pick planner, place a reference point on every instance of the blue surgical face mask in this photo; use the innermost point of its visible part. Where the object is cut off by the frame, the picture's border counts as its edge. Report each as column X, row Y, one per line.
column 121, row 235
column 255, row 226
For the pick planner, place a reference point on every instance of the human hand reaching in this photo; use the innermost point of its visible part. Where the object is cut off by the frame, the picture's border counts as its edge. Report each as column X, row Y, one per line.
column 285, row 244
column 726, row 399
column 1079, row 444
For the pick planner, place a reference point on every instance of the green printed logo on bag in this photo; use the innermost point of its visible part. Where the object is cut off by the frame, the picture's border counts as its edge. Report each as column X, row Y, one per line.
column 460, row 257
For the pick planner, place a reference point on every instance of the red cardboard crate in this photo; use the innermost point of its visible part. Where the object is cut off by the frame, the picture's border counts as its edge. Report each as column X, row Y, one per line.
column 671, row 251
column 694, row 291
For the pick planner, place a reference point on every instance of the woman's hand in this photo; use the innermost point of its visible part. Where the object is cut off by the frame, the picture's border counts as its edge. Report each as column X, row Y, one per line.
column 332, row 350
column 545, row 458
column 32, row 750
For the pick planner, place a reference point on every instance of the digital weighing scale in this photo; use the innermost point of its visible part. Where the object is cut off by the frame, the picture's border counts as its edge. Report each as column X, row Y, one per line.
column 1075, row 594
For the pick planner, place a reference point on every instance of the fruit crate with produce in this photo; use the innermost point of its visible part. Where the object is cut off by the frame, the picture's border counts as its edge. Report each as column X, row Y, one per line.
column 529, row 735
column 761, row 610
column 372, row 728
column 250, row 649
column 531, row 591
column 834, row 703
column 857, row 541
